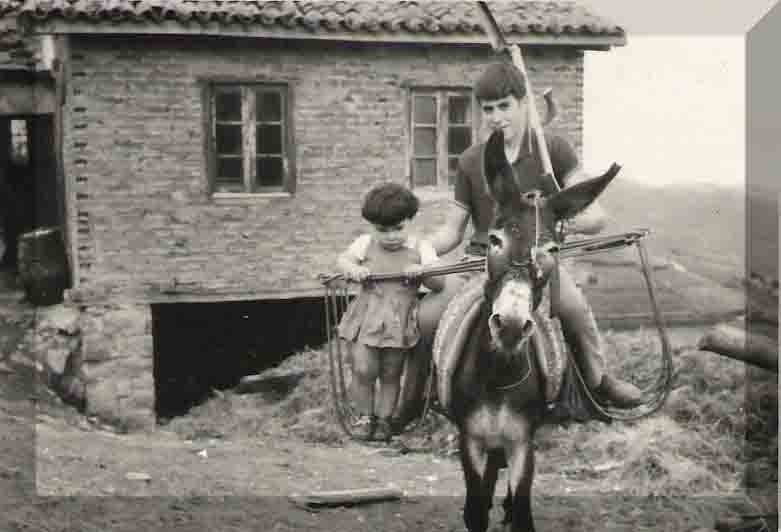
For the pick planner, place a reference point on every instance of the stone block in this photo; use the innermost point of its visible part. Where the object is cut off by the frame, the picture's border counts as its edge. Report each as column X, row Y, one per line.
column 143, row 381
column 140, row 400
column 128, row 321
column 102, row 398
column 59, row 318
column 95, row 347
column 103, row 401
column 118, row 369
column 55, row 360
column 136, row 419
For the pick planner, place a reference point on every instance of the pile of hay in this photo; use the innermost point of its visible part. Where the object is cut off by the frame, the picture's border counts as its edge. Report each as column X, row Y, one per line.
column 294, row 399
column 695, row 445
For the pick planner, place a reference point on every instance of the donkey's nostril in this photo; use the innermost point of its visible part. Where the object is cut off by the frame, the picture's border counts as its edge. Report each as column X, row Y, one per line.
column 527, row 327
column 496, row 321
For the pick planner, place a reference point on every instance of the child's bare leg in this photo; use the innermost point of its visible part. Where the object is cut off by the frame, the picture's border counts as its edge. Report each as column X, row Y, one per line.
column 391, row 367
column 366, row 369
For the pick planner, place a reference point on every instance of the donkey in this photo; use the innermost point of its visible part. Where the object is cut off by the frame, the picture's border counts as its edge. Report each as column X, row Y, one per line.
column 497, row 392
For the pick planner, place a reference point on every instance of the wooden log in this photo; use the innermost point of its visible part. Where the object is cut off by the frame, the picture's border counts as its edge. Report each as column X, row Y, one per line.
column 733, row 342
column 347, row 497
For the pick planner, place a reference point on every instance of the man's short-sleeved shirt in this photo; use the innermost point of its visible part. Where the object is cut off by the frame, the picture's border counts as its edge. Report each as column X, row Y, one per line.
column 471, row 188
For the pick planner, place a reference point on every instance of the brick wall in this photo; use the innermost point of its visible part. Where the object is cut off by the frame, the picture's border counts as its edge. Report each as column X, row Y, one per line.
column 133, row 148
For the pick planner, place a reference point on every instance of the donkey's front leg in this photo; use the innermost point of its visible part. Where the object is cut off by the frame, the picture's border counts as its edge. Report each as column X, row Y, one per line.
column 480, row 472
column 521, row 476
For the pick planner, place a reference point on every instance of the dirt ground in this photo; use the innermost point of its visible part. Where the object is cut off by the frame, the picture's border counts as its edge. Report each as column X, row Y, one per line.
column 60, row 472
column 74, row 481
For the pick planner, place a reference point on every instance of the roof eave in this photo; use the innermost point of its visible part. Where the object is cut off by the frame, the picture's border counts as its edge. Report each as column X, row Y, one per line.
column 585, row 41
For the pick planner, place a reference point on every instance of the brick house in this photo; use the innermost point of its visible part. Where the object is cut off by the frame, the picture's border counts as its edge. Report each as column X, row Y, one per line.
column 218, row 151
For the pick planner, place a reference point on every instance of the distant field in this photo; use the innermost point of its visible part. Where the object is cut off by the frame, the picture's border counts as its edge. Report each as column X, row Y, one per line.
column 702, row 229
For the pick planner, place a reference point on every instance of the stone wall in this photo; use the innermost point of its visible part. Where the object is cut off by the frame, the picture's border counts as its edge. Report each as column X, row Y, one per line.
column 98, row 359
column 118, row 363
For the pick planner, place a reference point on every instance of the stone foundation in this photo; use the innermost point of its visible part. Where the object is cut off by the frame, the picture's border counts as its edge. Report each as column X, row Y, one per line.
column 118, row 364
column 54, row 339
column 99, row 358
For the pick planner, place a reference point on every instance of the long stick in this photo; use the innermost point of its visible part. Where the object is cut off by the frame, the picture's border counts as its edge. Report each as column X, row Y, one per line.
column 734, row 342
column 499, row 44
column 348, row 497
column 567, row 250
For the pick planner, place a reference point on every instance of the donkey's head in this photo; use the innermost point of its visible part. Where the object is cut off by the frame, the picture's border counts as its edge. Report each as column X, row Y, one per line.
column 518, row 259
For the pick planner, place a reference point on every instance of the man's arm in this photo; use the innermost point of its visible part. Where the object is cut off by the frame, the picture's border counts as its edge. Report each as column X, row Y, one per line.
column 451, row 232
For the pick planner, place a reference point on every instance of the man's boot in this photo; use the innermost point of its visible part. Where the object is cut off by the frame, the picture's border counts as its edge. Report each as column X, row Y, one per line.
column 621, row 393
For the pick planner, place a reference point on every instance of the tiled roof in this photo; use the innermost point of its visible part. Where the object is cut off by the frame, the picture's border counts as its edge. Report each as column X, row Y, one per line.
column 422, row 18
column 16, row 51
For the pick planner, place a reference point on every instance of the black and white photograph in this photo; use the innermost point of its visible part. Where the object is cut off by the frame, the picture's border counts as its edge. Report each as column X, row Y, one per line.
column 447, row 266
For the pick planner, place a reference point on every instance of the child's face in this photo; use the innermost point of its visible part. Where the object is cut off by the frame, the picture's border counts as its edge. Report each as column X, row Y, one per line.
column 391, row 237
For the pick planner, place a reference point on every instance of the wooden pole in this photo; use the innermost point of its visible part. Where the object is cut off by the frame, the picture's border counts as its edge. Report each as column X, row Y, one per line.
column 734, row 342
column 534, row 123
column 347, row 497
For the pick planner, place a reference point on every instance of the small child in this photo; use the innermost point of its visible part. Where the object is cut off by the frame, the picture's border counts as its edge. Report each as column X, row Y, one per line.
column 382, row 321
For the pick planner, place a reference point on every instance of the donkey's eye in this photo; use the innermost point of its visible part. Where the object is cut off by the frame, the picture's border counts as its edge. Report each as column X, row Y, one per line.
column 495, row 242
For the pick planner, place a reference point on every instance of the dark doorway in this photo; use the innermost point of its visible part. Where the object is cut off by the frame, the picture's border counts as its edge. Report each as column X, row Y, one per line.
column 32, row 198
column 199, row 347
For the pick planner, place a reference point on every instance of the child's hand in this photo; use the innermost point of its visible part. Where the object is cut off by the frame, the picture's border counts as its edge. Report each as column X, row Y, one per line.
column 357, row 273
column 413, row 273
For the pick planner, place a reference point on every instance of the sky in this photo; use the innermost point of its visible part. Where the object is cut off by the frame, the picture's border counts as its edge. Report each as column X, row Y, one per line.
column 670, row 105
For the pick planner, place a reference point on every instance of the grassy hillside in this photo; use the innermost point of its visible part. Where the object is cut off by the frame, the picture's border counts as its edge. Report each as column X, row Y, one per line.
column 701, row 228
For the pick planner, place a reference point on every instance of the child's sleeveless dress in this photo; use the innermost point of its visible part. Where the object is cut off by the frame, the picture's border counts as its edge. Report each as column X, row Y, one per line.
column 385, row 313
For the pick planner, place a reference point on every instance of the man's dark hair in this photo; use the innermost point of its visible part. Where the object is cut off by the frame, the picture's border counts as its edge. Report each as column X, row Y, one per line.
column 389, row 204
column 500, row 80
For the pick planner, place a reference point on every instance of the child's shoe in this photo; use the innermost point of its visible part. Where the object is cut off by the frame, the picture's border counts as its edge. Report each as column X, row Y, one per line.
column 363, row 427
column 384, row 430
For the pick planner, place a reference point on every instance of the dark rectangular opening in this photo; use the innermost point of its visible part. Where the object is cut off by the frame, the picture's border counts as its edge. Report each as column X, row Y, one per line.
column 200, row 347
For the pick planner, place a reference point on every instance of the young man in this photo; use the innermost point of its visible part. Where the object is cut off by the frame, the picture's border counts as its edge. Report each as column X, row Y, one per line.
column 501, row 94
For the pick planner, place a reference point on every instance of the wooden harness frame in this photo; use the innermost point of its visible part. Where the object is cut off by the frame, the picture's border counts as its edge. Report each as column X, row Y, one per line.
column 338, row 292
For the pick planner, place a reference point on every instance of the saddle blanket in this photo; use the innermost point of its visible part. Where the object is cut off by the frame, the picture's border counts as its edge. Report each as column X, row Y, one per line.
column 458, row 321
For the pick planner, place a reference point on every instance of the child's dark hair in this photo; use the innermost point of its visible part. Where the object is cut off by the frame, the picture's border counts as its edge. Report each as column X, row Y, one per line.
column 500, row 80
column 389, row 204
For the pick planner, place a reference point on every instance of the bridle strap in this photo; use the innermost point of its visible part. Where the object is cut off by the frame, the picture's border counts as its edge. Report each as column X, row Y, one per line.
column 555, row 287
column 536, row 201
column 525, row 377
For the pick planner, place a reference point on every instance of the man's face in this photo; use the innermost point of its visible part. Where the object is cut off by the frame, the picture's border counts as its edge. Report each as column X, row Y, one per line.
column 507, row 114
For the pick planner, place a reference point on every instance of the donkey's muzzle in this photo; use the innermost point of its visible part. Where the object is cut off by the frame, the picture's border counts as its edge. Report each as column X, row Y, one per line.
column 509, row 331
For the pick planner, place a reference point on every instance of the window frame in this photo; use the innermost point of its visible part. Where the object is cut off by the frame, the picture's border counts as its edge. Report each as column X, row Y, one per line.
column 248, row 90
column 442, row 95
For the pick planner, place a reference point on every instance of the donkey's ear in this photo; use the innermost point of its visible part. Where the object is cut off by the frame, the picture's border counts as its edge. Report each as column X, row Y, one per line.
column 497, row 170
column 571, row 201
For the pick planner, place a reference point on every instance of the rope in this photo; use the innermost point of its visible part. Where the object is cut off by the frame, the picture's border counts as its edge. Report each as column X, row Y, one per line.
column 335, row 301
column 661, row 389
column 522, row 379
